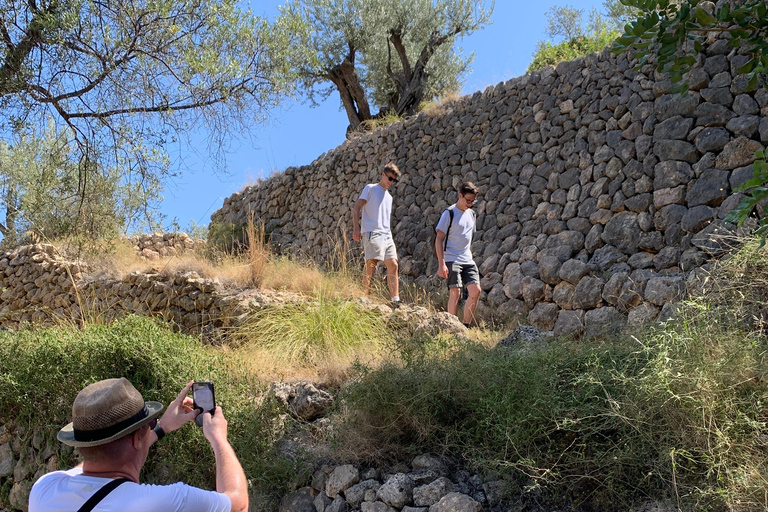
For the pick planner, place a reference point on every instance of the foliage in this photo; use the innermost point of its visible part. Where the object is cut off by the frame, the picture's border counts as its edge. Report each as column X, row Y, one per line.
column 549, row 54
column 673, row 33
column 678, row 411
column 392, row 54
column 126, row 78
column 39, row 184
column 312, row 332
column 579, row 39
column 41, row 372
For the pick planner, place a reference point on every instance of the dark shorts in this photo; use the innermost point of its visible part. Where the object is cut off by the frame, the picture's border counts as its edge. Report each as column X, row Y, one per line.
column 461, row 275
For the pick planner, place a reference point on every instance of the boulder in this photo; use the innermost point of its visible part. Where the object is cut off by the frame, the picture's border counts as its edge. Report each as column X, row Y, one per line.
column 341, row 478
column 310, row 403
column 397, row 491
column 663, row 289
column 456, row 502
column 607, row 321
column 569, row 323
column 738, row 153
column 356, row 493
column 429, row 494
column 588, row 293
column 711, row 188
column 543, row 316
column 300, row 500
column 642, row 314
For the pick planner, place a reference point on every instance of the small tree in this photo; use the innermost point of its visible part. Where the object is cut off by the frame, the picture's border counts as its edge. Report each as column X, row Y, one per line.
column 390, row 54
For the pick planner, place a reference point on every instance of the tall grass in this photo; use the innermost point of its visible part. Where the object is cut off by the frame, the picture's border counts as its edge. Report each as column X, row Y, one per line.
column 676, row 412
column 41, row 371
column 314, row 332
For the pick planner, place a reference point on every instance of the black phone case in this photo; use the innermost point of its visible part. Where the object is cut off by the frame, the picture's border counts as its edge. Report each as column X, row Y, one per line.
column 199, row 417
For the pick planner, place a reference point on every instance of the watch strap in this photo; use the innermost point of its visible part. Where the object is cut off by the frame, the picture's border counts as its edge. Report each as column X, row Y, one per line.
column 159, row 432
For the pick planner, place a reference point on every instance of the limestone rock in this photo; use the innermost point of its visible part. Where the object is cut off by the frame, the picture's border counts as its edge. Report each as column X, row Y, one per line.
column 607, row 321
column 356, row 493
column 397, row 491
column 341, row 478
column 429, row 494
column 310, row 403
column 456, row 502
column 543, row 316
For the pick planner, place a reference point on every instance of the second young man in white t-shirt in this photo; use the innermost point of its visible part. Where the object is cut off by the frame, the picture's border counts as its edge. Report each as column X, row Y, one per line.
column 375, row 207
column 452, row 245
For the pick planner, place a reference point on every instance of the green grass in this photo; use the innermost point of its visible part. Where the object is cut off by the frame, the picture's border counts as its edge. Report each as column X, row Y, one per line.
column 41, row 371
column 678, row 412
column 320, row 330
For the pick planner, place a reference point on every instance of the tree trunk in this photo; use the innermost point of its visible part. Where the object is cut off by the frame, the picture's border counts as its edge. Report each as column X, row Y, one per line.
column 344, row 77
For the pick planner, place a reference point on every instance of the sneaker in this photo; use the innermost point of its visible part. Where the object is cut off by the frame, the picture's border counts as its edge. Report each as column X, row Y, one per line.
column 396, row 303
column 468, row 326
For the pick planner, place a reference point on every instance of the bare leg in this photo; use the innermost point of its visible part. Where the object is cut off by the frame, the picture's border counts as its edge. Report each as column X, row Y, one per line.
column 392, row 277
column 370, row 268
column 469, row 307
column 453, row 300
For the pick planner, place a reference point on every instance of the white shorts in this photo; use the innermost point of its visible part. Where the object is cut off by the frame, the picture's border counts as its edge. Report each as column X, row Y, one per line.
column 379, row 246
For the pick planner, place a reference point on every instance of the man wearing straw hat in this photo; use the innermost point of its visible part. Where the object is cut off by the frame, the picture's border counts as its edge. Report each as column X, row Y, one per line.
column 113, row 428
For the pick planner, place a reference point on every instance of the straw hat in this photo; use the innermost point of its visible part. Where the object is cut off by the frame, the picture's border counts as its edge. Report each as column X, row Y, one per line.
column 105, row 411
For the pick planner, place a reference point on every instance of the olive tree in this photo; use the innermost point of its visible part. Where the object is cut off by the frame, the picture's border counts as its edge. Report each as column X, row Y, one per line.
column 124, row 78
column 385, row 54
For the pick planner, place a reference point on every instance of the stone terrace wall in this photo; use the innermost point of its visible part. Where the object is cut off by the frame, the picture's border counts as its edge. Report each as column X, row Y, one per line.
column 598, row 186
column 37, row 286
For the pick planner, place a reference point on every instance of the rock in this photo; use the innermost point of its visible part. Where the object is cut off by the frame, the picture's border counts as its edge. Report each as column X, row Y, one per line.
column 588, row 293
column 607, row 321
column 427, row 462
column 738, row 153
column 456, row 502
column 712, row 139
column 341, row 478
column 397, row 491
column 522, row 335
column 443, row 322
column 671, row 173
column 496, row 491
column 562, row 295
column 549, row 266
column 661, row 290
column 414, row 509
column 676, row 127
column 543, row 316
column 532, row 291
column 642, row 314
column 667, row 257
column 697, row 218
column 375, row 506
column 7, row 461
column 569, row 323
column 717, row 238
column 319, row 478
column 691, row 259
column 356, row 493
column 322, row 501
column 430, row 494
column 310, row 403
column 339, row 504
column 572, row 271
column 623, row 232
column 300, row 500
column 711, row 189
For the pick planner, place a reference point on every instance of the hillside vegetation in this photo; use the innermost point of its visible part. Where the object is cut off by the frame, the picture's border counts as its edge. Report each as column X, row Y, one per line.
column 677, row 412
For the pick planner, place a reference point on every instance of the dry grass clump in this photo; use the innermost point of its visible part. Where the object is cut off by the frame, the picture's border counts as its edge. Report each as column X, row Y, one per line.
column 439, row 105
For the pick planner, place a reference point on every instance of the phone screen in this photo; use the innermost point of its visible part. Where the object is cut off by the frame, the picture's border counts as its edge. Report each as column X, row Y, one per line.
column 204, row 399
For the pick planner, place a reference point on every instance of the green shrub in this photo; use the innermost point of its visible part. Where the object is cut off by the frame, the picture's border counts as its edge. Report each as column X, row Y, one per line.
column 549, row 54
column 41, row 372
column 315, row 331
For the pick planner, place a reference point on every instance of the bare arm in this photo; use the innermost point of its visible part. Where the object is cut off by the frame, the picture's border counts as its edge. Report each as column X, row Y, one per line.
column 442, row 269
column 230, row 477
column 356, row 211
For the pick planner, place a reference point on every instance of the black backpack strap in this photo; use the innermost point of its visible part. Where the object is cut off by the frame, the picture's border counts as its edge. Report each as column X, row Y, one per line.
column 101, row 494
column 450, row 223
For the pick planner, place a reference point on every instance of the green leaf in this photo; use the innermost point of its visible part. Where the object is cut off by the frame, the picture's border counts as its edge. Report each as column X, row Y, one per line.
column 704, row 18
column 747, row 67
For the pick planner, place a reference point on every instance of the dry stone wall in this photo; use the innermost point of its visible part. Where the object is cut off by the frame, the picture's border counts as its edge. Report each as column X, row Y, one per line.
column 599, row 188
column 38, row 286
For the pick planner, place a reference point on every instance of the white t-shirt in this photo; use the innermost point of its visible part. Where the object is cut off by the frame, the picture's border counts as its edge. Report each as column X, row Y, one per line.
column 62, row 491
column 377, row 209
column 458, row 248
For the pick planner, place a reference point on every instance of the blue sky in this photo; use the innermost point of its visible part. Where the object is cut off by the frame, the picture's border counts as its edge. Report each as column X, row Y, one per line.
column 297, row 134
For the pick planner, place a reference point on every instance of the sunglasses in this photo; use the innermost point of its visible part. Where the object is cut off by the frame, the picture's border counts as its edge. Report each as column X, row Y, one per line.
column 391, row 179
column 152, row 424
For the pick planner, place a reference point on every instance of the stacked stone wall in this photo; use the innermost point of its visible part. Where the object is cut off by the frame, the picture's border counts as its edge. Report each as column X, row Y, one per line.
column 40, row 287
column 160, row 245
column 599, row 187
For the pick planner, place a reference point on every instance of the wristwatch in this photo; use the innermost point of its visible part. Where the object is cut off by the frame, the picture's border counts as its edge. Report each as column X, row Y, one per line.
column 159, row 432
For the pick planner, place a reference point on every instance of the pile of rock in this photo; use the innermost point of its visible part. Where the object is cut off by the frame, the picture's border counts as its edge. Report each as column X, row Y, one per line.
column 427, row 486
column 160, row 245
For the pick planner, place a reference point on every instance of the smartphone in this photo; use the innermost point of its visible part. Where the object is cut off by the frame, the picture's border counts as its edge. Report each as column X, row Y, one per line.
column 203, row 399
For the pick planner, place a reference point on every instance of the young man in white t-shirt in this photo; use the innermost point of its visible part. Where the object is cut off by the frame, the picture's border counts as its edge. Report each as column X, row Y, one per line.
column 453, row 247
column 113, row 428
column 375, row 207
